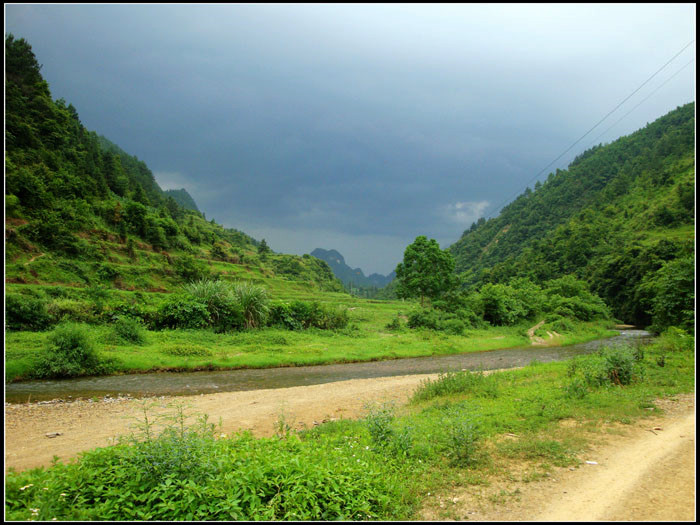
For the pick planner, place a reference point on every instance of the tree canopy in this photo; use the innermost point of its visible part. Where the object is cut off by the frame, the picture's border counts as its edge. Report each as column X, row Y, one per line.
column 426, row 270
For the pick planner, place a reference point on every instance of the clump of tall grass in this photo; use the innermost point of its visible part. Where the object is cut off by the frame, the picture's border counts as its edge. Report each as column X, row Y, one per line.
column 254, row 303
column 449, row 383
column 129, row 330
column 215, row 294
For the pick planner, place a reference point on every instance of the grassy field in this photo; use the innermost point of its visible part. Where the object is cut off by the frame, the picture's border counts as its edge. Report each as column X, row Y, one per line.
column 365, row 339
column 385, row 466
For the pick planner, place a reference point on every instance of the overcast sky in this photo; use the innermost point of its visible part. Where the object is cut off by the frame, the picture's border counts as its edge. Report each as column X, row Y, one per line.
column 358, row 127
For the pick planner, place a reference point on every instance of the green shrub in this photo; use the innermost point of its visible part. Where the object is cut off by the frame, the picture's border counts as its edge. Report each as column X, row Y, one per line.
column 394, row 325
column 462, row 440
column 183, row 312
column 147, row 315
column 190, row 268
column 73, row 310
column 300, row 315
column 453, row 326
column 502, row 304
column 571, row 297
column 676, row 340
column 71, row 353
column 129, row 330
column 379, row 424
column 26, row 313
column 610, row 366
column 186, row 351
column 424, row 318
column 559, row 324
column 332, row 317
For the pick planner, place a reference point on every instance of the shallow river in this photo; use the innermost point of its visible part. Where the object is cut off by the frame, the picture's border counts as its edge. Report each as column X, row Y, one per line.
column 191, row 383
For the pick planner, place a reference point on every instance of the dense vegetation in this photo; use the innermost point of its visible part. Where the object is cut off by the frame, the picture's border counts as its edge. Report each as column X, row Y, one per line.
column 621, row 218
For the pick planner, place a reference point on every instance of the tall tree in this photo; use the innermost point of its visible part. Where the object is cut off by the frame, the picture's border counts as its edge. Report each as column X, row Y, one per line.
column 426, row 270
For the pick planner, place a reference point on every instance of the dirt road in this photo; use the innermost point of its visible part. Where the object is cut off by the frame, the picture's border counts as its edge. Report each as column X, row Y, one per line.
column 641, row 472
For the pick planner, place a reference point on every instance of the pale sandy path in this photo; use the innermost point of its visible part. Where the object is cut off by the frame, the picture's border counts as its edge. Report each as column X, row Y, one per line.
column 85, row 425
column 644, row 480
column 641, row 474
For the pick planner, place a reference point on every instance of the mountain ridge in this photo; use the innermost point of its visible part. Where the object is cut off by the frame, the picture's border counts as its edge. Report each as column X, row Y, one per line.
column 349, row 275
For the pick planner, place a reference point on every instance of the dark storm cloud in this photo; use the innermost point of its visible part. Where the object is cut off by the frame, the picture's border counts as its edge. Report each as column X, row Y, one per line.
column 353, row 127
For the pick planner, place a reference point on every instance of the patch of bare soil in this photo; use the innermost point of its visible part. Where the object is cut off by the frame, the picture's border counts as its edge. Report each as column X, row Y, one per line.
column 536, row 340
column 639, row 472
column 84, row 425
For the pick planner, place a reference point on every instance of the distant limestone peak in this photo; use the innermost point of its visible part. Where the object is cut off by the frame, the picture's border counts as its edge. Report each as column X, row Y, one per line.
column 349, row 275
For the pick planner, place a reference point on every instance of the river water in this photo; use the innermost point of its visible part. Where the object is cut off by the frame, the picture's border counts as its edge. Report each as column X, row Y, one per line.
column 191, row 383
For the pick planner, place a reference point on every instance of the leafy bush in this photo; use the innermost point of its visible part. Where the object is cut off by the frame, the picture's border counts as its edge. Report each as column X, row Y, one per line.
column 183, row 311
column 379, row 420
column 71, row 353
column 502, row 304
column 462, row 440
column 74, row 310
column 26, row 313
column 454, row 326
column 672, row 289
column 129, row 330
column 388, row 439
column 454, row 323
column 300, row 315
column 610, row 366
column 676, row 340
column 394, row 325
column 147, row 315
column 190, row 269
column 571, row 297
column 559, row 324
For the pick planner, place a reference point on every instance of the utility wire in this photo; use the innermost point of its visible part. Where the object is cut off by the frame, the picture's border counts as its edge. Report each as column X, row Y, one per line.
column 640, row 103
column 600, row 121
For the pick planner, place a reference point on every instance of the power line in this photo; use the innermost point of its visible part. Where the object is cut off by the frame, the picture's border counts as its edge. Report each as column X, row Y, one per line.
column 641, row 102
column 600, row 121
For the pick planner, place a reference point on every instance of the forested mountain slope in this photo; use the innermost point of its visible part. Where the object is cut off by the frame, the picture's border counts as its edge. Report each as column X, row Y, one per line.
column 80, row 211
column 183, row 198
column 620, row 217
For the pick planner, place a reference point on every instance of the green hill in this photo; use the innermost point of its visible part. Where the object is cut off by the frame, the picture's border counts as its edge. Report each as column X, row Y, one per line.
column 82, row 212
column 620, row 217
